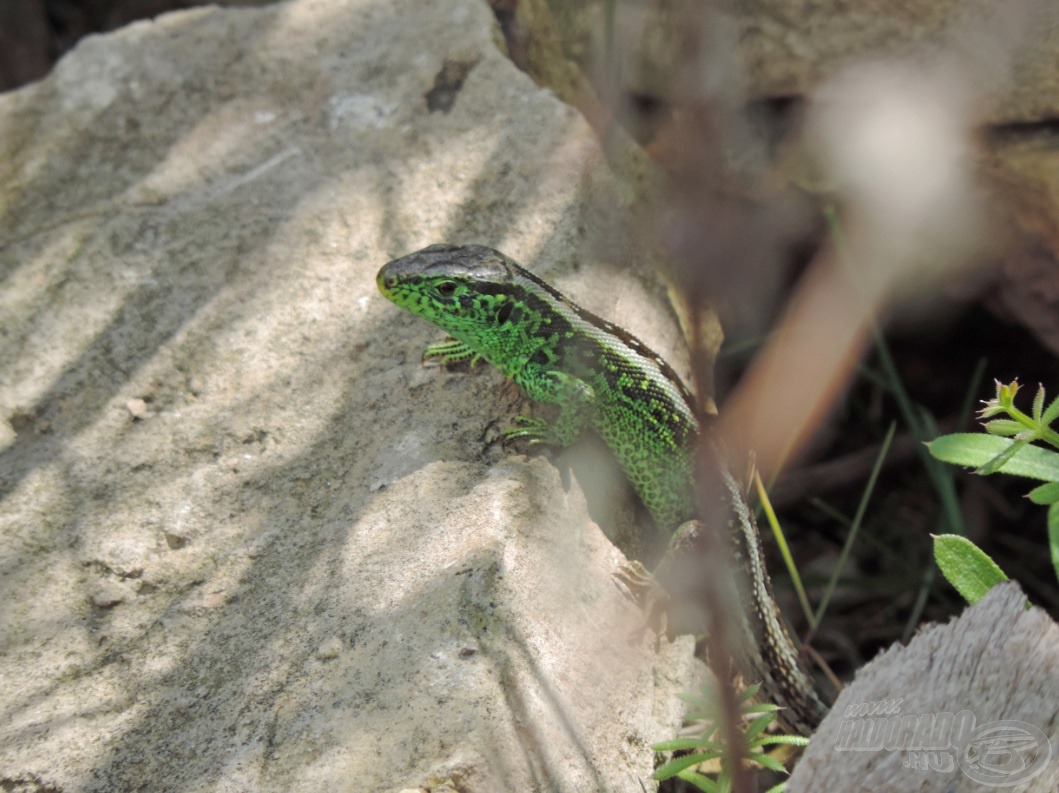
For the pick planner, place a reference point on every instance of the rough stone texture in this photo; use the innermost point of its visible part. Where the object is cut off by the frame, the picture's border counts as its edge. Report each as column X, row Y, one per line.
column 246, row 541
column 789, row 47
column 786, row 48
column 998, row 660
column 1025, row 173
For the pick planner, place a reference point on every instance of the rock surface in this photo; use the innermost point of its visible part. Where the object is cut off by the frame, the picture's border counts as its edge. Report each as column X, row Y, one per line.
column 247, row 542
column 786, row 48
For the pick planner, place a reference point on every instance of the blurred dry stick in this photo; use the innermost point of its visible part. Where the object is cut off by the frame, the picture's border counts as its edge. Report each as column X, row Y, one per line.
column 893, row 142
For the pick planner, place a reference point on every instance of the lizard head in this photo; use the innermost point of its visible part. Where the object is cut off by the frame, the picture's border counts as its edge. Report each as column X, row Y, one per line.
column 461, row 289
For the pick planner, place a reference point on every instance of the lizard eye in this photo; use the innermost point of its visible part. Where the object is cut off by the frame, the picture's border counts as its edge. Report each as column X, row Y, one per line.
column 446, row 288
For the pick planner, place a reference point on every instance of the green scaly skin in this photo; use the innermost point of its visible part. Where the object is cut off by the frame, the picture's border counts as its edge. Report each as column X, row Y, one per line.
column 559, row 354
column 601, row 377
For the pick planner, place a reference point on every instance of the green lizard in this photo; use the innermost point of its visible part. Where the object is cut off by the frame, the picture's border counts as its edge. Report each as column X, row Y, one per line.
column 599, row 376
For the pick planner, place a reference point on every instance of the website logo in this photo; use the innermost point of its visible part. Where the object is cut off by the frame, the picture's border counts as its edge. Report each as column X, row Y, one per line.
column 997, row 754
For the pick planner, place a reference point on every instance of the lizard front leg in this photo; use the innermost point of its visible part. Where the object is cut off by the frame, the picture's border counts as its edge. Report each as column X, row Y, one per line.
column 644, row 588
column 451, row 351
column 575, row 399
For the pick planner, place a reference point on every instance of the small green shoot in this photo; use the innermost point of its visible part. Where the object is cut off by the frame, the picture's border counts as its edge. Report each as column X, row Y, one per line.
column 785, row 551
column 1006, row 449
column 705, row 748
column 816, row 618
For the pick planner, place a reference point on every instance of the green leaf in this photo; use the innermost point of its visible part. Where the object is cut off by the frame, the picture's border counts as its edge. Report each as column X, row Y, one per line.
column 678, row 764
column 1051, row 413
column 1038, row 403
column 1003, row 458
column 976, row 449
column 782, row 786
column 750, row 692
column 684, row 744
column 756, row 727
column 770, row 763
column 966, row 566
column 703, row 783
column 706, row 714
column 1003, row 427
column 1053, row 535
column 762, row 707
column 792, row 740
column 1045, row 494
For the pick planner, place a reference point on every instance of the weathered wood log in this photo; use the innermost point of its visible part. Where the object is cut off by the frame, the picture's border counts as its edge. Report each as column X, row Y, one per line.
column 968, row 706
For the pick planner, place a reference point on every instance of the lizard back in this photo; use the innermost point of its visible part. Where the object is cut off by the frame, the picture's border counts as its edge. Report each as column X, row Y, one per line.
column 530, row 331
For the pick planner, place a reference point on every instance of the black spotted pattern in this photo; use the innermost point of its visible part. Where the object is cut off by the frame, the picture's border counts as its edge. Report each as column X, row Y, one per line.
column 561, row 354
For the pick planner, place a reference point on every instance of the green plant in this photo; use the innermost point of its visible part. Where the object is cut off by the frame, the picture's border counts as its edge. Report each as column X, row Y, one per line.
column 1005, row 448
column 704, row 749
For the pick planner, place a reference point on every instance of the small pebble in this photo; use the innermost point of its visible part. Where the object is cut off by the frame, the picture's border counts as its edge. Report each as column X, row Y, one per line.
column 329, row 648
column 138, row 409
column 108, row 594
column 175, row 541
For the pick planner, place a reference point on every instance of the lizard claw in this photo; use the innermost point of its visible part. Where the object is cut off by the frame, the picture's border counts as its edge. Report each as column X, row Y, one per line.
column 451, row 351
column 535, row 431
column 641, row 587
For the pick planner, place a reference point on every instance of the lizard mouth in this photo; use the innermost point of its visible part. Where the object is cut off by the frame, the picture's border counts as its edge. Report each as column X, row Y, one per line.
column 392, row 284
column 385, row 282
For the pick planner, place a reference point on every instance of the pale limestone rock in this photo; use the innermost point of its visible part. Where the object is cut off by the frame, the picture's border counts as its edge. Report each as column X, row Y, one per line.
column 192, row 213
column 107, row 594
